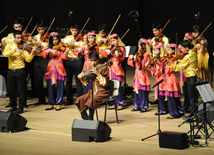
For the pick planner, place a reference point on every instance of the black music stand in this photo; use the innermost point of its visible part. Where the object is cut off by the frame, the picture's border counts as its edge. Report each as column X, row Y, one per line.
column 207, row 95
column 159, row 130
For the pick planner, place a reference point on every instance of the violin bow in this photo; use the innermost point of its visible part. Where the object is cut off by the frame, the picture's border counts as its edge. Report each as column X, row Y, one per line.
column 48, row 29
column 29, row 36
column 124, row 34
column 165, row 25
column 114, row 25
column 28, row 24
column 83, row 27
column 203, row 31
column 3, row 29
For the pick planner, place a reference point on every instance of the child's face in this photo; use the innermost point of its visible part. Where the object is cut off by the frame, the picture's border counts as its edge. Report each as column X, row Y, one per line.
column 183, row 48
column 156, row 51
column 18, row 38
column 91, row 39
column 170, row 51
column 17, row 27
column 102, row 34
column 41, row 30
column 156, row 32
column 94, row 62
column 195, row 34
column 55, row 40
column 114, row 42
column 74, row 31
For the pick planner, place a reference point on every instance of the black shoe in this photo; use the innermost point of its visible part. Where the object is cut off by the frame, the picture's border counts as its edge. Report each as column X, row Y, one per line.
column 19, row 111
column 7, row 106
column 84, row 115
column 26, row 106
column 12, row 109
column 91, row 114
column 135, row 109
column 155, row 102
column 160, row 113
column 143, row 110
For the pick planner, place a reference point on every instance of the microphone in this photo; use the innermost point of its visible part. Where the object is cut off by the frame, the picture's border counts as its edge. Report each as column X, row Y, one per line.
column 158, row 83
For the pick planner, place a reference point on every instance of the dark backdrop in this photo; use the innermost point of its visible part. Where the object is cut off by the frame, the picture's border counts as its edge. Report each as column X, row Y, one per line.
column 180, row 12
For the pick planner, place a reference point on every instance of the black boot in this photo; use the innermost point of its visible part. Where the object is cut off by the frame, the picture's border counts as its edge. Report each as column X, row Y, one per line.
column 91, row 114
column 84, row 115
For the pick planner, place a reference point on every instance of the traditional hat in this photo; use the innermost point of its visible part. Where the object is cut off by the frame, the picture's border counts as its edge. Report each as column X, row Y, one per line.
column 54, row 34
column 188, row 35
column 91, row 34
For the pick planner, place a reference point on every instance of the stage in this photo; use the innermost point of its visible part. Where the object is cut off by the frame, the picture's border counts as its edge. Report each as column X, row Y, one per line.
column 50, row 131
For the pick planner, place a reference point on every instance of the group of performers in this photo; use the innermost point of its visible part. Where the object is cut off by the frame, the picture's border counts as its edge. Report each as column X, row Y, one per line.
column 84, row 56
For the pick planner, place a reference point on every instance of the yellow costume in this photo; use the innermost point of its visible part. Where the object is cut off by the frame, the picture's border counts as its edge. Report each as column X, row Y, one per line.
column 8, row 39
column 188, row 64
column 15, row 60
column 43, row 44
column 77, row 44
column 203, row 63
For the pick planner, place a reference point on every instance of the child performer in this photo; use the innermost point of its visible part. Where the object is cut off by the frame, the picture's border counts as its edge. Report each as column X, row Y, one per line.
column 55, row 72
column 189, row 66
column 157, row 71
column 100, row 88
column 172, row 87
column 74, row 65
column 102, row 40
column 86, row 50
column 40, row 64
column 200, row 45
column 141, row 80
column 117, row 55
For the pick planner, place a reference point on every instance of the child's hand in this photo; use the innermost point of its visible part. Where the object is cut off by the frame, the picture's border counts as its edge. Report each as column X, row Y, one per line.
column 39, row 43
column 131, row 56
column 81, row 75
column 67, row 50
column 108, row 51
column 104, row 40
column 33, row 50
column 73, row 41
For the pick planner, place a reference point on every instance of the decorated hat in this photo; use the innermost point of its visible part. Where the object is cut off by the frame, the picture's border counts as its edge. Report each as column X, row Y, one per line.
column 158, row 45
column 91, row 34
column 143, row 40
column 189, row 35
column 54, row 34
column 172, row 45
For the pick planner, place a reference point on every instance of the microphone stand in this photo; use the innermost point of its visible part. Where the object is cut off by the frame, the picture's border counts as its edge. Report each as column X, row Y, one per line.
column 159, row 130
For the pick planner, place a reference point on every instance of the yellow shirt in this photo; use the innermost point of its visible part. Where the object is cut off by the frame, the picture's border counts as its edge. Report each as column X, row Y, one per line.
column 15, row 60
column 43, row 44
column 100, row 44
column 8, row 39
column 188, row 64
column 77, row 44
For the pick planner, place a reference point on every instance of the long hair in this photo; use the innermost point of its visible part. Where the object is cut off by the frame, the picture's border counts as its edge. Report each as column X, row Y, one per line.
column 51, row 40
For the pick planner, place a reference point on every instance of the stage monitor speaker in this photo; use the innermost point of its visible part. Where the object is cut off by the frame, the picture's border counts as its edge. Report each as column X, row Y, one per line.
column 11, row 122
column 209, row 111
column 87, row 130
column 174, row 140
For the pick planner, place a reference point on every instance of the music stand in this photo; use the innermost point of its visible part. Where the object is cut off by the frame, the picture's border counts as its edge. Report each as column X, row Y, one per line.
column 207, row 95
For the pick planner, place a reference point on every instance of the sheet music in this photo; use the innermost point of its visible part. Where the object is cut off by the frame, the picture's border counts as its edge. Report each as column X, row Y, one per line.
column 130, row 50
column 206, row 92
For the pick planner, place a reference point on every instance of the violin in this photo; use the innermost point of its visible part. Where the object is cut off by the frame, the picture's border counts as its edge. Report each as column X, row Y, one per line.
column 142, row 51
column 199, row 39
column 113, row 49
column 61, row 46
column 162, row 59
column 80, row 36
column 159, row 39
column 179, row 56
column 88, row 75
column 153, row 60
column 27, row 46
column 91, row 45
column 25, row 35
column 45, row 37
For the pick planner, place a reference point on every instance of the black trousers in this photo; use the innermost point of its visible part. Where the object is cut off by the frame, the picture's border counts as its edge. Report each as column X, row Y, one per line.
column 73, row 68
column 192, row 94
column 16, row 81
column 40, row 66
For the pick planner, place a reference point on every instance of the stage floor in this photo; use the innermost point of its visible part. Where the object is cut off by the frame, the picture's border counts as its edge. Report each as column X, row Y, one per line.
column 50, row 132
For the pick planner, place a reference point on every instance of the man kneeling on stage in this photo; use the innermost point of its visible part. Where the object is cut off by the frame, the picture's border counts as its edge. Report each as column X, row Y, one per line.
column 100, row 77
